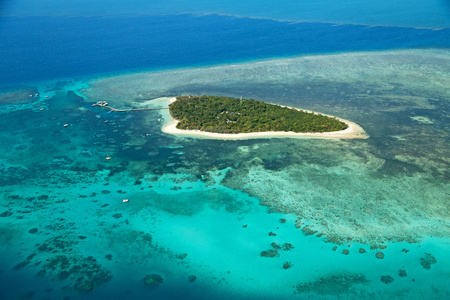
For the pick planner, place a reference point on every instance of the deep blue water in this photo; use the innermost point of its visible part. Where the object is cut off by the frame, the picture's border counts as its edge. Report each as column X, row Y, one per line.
column 409, row 13
column 40, row 48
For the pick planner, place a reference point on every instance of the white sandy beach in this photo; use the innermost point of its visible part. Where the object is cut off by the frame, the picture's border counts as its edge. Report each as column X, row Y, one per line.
column 354, row 131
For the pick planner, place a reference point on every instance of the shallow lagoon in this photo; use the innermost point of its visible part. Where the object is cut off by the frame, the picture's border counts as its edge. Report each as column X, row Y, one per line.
column 219, row 210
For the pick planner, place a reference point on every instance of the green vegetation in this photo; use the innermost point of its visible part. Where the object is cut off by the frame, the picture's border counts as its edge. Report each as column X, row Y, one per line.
column 232, row 115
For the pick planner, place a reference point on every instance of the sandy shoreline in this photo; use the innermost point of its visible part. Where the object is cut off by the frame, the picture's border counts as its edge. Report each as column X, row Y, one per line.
column 354, row 131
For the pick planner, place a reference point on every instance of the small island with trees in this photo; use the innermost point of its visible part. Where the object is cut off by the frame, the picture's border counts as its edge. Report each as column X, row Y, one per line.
column 227, row 116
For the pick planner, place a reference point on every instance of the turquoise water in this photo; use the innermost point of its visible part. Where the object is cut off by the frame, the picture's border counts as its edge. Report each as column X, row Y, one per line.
column 213, row 219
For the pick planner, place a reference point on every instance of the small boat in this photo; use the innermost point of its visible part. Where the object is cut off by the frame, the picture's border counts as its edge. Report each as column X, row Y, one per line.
column 100, row 103
column 108, row 157
column 125, row 200
column 66, row 125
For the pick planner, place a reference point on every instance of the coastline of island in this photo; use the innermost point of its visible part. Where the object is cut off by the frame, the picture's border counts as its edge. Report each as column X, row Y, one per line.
column 353, row 131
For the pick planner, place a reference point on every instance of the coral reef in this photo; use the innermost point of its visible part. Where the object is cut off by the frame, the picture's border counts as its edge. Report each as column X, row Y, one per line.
column 427, row 261
column 287, row 247
column 58, row 260
column 334, row 284
column 270, row 253
column 287, row 265
column 153, row 280
column 374, row 217
column 308, row 231
column 275, row 246
column 7, row 213
column 387, row 279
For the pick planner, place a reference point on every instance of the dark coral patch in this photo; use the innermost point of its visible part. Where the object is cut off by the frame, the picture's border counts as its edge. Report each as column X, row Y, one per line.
column 387, row 279
column 275, row 246
column 21, row 265
column 334, row 284
column 27, row 295
column 6, row 214
column 181, row 256
column 287, row 265
column 308, row 231
column 270, row 253
column 287, row 247
column 427, row 261
column 153, row 280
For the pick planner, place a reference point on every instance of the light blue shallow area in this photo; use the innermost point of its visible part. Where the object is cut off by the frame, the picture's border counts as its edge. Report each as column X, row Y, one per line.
column 412, row 13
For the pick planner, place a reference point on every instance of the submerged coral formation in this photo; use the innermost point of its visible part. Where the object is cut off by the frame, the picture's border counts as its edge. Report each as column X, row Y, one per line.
column 427, row 261
column 340, row 207
column 153, row 280
column 270, row 253
column 334, row 284
column 387, row 279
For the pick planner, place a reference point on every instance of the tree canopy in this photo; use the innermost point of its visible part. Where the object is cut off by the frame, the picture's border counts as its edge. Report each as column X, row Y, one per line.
column 232, row 115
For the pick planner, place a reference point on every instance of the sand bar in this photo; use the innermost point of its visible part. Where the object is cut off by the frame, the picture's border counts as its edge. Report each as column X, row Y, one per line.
column 353, row 131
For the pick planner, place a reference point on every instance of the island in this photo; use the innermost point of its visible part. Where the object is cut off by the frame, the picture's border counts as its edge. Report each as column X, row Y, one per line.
column 236, row 118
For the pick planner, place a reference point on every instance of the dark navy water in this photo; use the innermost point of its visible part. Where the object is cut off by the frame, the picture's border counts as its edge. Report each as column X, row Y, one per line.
column 39, row 48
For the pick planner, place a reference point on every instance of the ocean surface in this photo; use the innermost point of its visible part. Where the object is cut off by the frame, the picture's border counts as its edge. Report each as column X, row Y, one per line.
column 293, row 218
